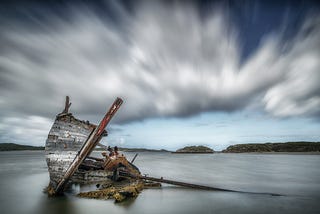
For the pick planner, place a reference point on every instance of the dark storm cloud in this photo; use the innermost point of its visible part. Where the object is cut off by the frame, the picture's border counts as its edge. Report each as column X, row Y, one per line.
column 165, row 60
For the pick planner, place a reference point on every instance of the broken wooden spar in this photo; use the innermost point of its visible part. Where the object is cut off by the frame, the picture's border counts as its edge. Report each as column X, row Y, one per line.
column 66, row 106
column 178, row 183
column 88, row 146
column 122, row 173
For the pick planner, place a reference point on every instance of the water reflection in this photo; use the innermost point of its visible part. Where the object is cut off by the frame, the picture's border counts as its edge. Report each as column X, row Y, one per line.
column 61, row 205
column 24, row 175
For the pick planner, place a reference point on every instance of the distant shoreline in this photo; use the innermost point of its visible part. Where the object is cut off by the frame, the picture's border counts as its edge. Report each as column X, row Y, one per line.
column 310, row 148
column 269, row 153
column 192, row 152
column 19, row 147
column 134, row 150
column 141, row 150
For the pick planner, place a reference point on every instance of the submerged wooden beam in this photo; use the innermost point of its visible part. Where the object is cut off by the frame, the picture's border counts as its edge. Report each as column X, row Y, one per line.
column 134, row 158
column 189, row 185
column 88, row 146
column 179, row 183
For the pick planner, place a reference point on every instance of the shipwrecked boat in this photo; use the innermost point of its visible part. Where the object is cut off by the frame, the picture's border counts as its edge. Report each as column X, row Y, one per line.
column 68, row 146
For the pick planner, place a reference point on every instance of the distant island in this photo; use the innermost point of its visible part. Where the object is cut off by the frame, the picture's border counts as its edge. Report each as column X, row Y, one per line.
column 274, row 147
column 194, row 149
column 18, row 147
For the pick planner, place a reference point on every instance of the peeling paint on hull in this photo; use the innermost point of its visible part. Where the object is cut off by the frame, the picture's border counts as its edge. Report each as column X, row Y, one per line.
column 66, row 137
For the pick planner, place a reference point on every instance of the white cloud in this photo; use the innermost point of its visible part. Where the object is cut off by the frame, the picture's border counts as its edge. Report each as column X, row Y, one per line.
column 30, row 130
column 164, row 61
column 299, row 92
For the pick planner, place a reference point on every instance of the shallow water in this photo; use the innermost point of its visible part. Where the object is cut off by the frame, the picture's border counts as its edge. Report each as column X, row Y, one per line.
column 23, row 175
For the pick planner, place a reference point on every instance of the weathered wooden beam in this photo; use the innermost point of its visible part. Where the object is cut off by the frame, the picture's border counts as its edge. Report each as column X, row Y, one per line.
column 66, row 106
column 102, row 146
column 134, row 158
column 88, row 146
column 94, row 158
column 189, row 185
column 179, row 183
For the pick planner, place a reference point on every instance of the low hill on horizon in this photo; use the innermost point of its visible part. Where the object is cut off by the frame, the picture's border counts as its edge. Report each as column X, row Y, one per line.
column 18, row 147
column 195, row 149
column 302, row 146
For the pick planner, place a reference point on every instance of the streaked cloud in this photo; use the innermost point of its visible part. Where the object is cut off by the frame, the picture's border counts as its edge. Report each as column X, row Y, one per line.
column 164, row 60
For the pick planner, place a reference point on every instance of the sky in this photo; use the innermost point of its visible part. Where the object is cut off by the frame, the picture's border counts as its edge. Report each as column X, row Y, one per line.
column 211, row 73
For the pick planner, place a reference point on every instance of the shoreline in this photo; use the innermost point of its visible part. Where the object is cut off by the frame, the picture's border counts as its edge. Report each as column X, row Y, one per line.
column 192, row 152
column 273, row 153
column 216, row 152
column 234, row 149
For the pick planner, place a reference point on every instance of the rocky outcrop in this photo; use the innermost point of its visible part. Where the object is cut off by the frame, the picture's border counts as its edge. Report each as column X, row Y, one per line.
column 195, row 149
column 119, row 191
column 274, row 147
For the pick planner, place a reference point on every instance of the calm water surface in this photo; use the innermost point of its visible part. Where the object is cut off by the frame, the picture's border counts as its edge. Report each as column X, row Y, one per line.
column 23, row 175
